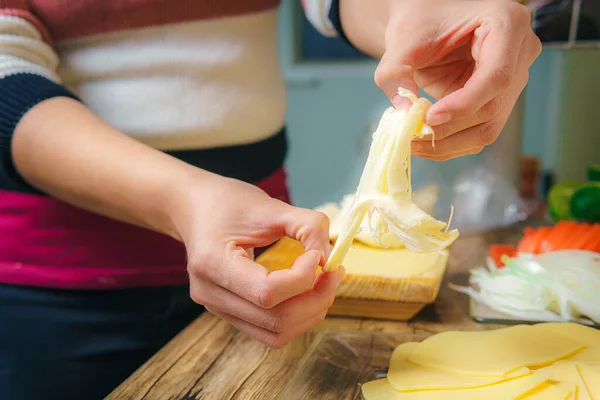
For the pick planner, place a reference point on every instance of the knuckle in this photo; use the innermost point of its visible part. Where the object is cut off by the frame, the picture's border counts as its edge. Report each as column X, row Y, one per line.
column 198, row 297
column 501, row 77
column 478, row 150
column 537, row 47
column 275, row 323
column 320, row 221
column 492, row 108
column 199, row 264
column 520, row 14
column 489, row 133
column 383, row 74
column 265, row 297
column 387, row 72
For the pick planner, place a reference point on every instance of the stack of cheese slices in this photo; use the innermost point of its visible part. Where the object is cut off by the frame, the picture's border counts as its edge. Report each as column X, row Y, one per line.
column 548, row 361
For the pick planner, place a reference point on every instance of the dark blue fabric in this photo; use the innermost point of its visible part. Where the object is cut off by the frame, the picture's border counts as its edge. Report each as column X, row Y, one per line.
column 63, row 345
column 251, row 162
column 18, row 94
column 336, row 21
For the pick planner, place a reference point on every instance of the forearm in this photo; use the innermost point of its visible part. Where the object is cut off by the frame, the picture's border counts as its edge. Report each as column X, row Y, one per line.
column 365, row 22
column 63, row 149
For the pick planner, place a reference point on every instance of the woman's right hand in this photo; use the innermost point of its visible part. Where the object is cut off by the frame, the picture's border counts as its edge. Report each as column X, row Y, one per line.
column 221, row 221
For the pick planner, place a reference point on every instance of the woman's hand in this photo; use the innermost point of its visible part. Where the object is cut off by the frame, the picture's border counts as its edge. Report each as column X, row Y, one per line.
column 473, row 56
column 221, row 222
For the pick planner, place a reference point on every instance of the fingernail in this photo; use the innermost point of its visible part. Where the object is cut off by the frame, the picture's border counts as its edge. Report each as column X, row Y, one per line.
column 438, row 118
column 401, row 103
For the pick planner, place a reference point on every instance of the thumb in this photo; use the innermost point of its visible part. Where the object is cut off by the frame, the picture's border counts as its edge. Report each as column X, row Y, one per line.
column 395, row 71
column 311, row 228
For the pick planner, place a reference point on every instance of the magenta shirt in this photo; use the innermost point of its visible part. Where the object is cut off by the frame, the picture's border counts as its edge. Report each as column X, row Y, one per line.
column 47, row 243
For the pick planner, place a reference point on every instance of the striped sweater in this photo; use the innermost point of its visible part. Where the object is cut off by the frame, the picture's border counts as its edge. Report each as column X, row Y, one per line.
column 198, row 79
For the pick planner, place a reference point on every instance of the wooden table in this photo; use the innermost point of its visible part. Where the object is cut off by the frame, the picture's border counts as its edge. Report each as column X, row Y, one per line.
column 212, row 360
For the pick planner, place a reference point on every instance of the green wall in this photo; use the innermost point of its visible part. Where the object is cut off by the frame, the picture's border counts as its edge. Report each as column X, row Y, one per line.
column 578, row 141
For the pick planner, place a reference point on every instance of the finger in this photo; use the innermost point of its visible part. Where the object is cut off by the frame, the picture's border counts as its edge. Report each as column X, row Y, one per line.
column 277, row 286
column 447, row 157
column 396, row 71
column 447, row 76
column 473, row 138
column 488, row 112
column 281, row 318
column 271, row 339
column 496, row 58
column 495, row 106
column 233, row 270
column 309, row 227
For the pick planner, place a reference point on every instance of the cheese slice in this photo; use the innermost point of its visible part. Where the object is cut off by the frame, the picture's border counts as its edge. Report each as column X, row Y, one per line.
column 403, row 375
column 590, row 375
column 587, row 355
column 552, row 391
column 507, row 390
column 566, row 371
column 585, row 334
column 493, row 353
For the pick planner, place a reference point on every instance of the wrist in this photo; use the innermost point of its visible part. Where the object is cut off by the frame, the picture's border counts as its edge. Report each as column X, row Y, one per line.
column 190, row 190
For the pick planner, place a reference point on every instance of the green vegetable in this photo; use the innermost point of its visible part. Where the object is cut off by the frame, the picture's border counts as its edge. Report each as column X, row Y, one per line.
column 594, row 173
column 559, row 199
column 585, row 204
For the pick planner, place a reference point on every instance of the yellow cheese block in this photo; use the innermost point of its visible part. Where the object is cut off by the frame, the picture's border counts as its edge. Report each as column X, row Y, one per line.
column 403, row 375
column 507, row 390
column 392, row 263
column 493, row 353
column 552, row 391
column 393, row 275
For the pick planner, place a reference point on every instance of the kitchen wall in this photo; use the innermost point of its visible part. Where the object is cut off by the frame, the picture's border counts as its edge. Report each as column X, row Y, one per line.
column 332, row 109
column 578, row 124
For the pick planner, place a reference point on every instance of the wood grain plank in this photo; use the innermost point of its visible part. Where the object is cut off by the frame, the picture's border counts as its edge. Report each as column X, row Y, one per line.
column 199, row 358
column 141, row 382
column 272, row 374
column 211, row 360
column 338, row 324
column 237, row 361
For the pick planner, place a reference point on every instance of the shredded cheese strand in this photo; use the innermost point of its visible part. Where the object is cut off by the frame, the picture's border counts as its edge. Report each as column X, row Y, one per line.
column 385, row 192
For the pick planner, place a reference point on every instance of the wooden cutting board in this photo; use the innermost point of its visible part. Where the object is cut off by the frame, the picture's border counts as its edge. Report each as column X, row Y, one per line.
column 370, row 296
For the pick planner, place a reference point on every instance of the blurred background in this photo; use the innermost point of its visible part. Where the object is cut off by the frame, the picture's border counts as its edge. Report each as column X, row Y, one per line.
column 552, row 136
